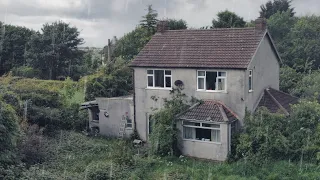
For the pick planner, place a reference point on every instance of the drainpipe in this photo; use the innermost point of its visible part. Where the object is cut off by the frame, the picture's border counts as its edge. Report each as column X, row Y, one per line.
column 109, row 50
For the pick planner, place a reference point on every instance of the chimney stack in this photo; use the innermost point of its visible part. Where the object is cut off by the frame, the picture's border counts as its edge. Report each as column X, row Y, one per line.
column 261, row 24
column 162, row 26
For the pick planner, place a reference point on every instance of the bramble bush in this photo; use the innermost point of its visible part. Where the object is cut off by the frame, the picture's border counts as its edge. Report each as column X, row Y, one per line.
column 270, row 136
column 164, row 135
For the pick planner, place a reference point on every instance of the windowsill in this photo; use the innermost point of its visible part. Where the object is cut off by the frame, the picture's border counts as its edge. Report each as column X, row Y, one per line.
column 128, row 128
column 209, row 142
column 250, row 91
column 158, row 88
column 212, row 91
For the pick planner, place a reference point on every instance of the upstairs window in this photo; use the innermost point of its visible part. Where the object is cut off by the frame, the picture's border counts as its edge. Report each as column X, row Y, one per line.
column 250, row 81
column 159, row 78
column 211, row 80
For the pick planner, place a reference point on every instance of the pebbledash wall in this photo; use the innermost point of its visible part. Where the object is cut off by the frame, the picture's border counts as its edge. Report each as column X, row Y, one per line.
column 116, row 108
column 265, row 67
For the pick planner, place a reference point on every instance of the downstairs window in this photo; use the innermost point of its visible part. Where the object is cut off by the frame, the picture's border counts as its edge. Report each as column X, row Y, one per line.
column 201, row 131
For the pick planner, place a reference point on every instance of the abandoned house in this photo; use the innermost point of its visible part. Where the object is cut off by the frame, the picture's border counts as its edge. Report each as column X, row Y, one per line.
column 231, row 70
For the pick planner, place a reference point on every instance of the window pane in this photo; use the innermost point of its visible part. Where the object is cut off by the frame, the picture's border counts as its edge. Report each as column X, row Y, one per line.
column 222, row 74
column 159, row 78
column 129, row 125
column 168, row 82
column 211, row 78
column 150, row 81
column 168, row 72
column 188, row 132
column 201, row 73
column 221, row 84
column 216, row 135
column 149, row 71
column 190, row 123
column 250, row 83
column 200, row 83
column 250, row 72
column 203, row 134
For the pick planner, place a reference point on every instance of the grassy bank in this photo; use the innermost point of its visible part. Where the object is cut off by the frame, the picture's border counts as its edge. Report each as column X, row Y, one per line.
column 76, row 156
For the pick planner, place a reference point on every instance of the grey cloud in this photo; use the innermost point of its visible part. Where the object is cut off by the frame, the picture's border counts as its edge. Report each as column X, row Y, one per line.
column 102, row 19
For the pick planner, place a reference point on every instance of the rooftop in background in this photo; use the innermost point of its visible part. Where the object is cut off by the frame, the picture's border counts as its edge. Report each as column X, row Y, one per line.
column 277, row 101
column 209, row 110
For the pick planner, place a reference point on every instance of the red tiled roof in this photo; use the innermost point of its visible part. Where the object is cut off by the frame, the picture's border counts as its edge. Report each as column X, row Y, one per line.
column 276, row 101
column 211, row 48
column 209, row 110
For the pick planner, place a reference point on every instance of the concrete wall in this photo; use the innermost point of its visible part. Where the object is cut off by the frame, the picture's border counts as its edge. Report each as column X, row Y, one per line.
column 265, row 68
column 233, row 97
column 206, row 150
column 116, row 108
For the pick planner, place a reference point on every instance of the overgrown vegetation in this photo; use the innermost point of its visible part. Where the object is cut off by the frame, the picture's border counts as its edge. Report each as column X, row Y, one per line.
column 164, row 136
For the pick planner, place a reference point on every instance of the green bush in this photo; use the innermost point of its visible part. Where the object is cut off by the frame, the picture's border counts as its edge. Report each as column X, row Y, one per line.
column 25, row 71
column 270, row 136
column 99, row 171
column 9, row 133
column 122, row 153
column 164, row 136
column 34, row 148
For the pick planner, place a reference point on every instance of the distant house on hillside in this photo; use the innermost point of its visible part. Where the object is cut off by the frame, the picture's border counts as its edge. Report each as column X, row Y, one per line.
column 231, row 70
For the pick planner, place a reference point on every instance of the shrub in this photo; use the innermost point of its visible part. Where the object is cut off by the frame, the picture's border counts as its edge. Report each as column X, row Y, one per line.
column 34, row 148
column 99, row 171
column 270, row 136
column 164, row 136
column 25, row 71
column 122, row 153
column 9, row 133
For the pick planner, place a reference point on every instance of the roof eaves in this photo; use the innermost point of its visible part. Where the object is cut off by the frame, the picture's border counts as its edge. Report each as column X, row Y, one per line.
column 274, row 47
column 257, row 48
column 223, row 113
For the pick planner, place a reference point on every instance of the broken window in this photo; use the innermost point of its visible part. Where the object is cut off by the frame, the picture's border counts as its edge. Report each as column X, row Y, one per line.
column 250, row 81
column 201, row 131
column 211, row 80
column 159, row 78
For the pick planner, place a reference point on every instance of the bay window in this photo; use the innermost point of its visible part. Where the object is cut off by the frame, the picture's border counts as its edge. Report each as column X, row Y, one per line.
column 159, row 79
column 201, row 131
column 211, row 80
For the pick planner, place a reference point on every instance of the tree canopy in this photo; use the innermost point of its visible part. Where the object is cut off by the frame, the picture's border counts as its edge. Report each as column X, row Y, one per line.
column 55, row 50
column 227, row 19
column 271, row 8
column 149, row 21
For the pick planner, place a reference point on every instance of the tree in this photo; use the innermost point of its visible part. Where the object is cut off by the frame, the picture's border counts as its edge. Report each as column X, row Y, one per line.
column 9, row 132
column 150, row 20
column 174, row 24
column 13, row 45
column 227, row 19
column 54, row 51
column 271, row 8
column 130, row 44
column 304, row 45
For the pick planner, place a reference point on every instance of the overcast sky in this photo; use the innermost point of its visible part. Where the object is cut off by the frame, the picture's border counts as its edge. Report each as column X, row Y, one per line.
column 99, row 20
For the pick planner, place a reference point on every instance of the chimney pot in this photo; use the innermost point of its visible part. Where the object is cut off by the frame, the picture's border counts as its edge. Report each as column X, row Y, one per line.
column 261, row 24
column 162, row 26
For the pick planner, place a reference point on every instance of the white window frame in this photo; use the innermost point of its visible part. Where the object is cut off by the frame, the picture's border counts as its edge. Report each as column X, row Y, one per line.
column 251, row 80
column 217, row 79
column 201, row 127
column 153, row 78
column 127, row 118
